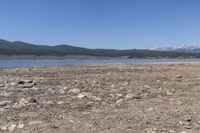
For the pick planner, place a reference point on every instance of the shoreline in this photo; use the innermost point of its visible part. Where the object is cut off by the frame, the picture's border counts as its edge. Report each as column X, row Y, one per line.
column 94, row 98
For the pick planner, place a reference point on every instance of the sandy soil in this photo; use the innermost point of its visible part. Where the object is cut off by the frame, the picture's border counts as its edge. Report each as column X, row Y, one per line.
column 131, row 98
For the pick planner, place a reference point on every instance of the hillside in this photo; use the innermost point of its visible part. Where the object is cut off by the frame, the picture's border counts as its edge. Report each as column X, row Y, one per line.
column 18, row 48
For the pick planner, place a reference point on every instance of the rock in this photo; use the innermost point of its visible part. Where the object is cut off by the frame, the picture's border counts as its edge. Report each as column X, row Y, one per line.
column 14, row 118
column 74, row 91
column 20, row 126
column 179, row 76
column 5, row 94
column 2, row 85
column 3, row 128
column 187, row 127
column 4, row 103
column 60, row 102
column 88, row 95
column 83, row 94
column 95, row 98
column 28, row 85
column 63, row 90
column 149, row 109
column 125, row 83
column 21, row 82
column 32, row 100
column 103, row 103
column 129, row 96
column 32, row 123
column 28, row 81
column 34, row 88
column 22, row 102
column 185, row 132
column 180, row 123
column 2, row 110
column 133, row 96
column 12, row 127
column 188, row 118
column 120, row 101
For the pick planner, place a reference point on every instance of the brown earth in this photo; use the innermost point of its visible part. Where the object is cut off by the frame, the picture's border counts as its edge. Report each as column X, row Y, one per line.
column 131, row 98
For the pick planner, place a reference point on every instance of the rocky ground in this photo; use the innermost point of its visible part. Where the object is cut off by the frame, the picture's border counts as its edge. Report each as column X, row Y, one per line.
column 131, row 98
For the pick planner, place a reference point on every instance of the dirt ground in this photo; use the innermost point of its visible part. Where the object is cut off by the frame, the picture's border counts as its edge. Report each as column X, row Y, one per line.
column 122, row 98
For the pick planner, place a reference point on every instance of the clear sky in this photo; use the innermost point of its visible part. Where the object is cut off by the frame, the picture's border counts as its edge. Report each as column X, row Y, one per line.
column 119, row 24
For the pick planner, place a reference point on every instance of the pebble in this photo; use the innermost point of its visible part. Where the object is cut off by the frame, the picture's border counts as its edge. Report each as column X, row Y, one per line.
column 184, row 132
column 188, row 118
column 34, row 88
column 3, row 128
column 12, row 127
column 4, row 103
column 149, row 109
column 22, row 102
column 5, row 94
column 74, row 91
column 28, row 85
column 20, row 126
column 83, row 94
column 2, row 85
column 120, row 101
column 32, row 123
column 21, row 82
column 179, row 76
column 32, row 100
column 60, row 102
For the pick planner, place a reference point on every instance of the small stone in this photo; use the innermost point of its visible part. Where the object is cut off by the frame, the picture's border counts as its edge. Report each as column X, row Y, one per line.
column 60, row 102
column 34, row 88
column 149, row 109
column 21, row 82
column 113, row 85
column 184, row 132
column 4, row 103
column 83, row 94
column 125, row 83
column 28, row 81
column 180, row 123
column 120, row 101
column 2, row 85
column 95, row 98
column 2, row 110
column 12, row 127
column 32, row 123
column 74, row 91
column 28, row 85
column 22, row 102
column 179, row 76
column 3, row 128
column 5, row 94
column 188, row 118
column 32, row 100
column 103, row 103
column 187, row 127
column 20, row 126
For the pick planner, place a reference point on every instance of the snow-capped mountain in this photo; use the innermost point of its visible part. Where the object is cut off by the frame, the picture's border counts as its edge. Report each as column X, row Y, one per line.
column 183, row 48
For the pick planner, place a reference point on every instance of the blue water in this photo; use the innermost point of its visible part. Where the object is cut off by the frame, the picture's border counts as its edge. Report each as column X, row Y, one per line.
column 41, row 63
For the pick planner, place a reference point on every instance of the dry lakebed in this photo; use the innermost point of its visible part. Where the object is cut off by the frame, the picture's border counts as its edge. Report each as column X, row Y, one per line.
column 114, row 98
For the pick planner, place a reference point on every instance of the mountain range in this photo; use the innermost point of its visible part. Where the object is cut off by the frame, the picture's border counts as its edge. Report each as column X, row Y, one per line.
column 18, row 48
column 181, row 48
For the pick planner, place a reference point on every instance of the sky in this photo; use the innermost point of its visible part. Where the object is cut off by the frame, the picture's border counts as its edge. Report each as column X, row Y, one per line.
column 113, row 24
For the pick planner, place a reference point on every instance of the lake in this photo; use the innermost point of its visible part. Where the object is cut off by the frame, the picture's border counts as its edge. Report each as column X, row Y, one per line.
column 42, row 63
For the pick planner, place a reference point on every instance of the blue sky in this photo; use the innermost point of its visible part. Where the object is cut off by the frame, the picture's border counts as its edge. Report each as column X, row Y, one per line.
column 119, row 24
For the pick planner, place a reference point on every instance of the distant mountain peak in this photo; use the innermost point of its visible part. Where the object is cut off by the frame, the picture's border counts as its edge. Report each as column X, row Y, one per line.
column 181, row 47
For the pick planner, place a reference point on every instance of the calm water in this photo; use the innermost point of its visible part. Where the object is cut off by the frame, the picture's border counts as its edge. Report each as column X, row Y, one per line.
column 40, row 63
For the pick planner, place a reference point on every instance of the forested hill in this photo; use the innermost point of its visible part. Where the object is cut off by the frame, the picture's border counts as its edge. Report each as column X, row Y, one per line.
column 18, row 48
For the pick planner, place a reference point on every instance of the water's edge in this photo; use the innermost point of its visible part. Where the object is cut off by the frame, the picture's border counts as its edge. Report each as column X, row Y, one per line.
column 45, row 63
